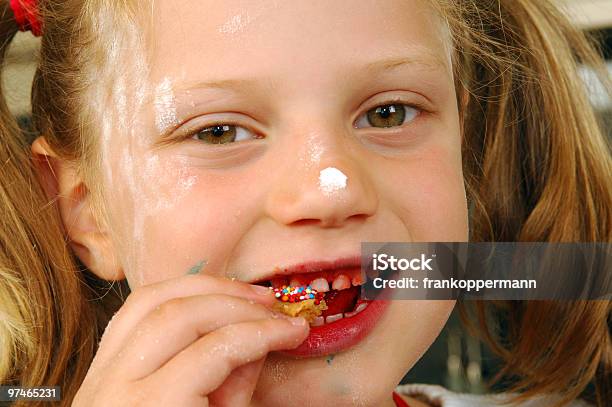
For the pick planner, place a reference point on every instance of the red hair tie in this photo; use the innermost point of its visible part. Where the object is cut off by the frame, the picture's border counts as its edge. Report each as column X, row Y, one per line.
column 26, row 16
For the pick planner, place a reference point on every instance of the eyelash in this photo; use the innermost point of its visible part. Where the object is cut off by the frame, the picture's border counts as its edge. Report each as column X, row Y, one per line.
column 420, row 108
column 397, row 100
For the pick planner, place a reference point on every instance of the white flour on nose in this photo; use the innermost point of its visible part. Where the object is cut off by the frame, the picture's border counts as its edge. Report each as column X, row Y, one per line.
column 331, row 180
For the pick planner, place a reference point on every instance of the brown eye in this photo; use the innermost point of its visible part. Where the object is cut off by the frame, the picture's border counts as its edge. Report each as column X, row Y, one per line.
column 391, row 115
column 223, row 134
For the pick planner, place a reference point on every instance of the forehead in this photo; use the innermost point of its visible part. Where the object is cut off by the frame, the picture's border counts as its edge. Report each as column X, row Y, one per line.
column 291, row 40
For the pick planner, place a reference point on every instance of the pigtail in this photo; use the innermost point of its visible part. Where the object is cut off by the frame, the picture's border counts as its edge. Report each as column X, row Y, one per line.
column 538, row 168
column 46, row 333
column 12, row 327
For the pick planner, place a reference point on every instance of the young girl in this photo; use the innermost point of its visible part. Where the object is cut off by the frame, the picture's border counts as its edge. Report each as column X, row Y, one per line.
column 199, row 151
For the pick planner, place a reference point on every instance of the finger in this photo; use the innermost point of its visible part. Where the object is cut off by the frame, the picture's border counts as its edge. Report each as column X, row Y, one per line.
column 144, row 299
column 206, row 364
column 238, row 388
column 176, row 324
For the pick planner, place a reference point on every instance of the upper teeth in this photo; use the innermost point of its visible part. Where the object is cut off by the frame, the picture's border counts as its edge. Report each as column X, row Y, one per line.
column 320, row 284
column 341, row 282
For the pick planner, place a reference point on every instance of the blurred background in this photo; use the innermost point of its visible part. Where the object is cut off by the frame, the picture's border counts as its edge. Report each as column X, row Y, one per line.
column 457, row 360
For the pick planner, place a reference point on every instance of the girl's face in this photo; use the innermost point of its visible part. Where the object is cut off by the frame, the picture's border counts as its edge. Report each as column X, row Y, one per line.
column 301, row 166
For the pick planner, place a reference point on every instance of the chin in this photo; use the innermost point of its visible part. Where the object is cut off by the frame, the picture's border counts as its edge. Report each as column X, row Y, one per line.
column 343, row 386
column 363, row 375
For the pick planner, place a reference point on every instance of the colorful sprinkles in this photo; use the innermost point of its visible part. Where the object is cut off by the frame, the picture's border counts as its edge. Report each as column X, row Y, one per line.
column 297, row 294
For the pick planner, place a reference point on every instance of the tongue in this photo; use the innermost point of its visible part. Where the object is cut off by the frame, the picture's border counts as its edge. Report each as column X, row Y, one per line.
column 338, row 301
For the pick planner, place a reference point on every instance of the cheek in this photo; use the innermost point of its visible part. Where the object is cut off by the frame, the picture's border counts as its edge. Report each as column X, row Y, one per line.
column 427, row 191
column 152, row 207
column 188, row 226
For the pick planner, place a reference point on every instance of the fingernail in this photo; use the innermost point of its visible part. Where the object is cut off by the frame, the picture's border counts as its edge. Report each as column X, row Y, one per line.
column 261, row 289
column 297, row 321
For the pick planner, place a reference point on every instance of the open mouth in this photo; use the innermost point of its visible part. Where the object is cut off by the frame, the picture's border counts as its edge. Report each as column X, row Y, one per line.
column 348, row 317
column 341, row 291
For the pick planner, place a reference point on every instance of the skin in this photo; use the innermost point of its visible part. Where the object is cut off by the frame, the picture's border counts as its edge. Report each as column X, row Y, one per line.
column 241, row 208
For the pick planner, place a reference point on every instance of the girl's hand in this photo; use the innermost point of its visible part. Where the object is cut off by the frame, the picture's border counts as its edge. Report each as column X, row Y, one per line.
column 195, row 340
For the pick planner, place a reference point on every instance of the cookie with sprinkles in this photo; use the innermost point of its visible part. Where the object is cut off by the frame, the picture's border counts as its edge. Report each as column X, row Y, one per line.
column 303, row 301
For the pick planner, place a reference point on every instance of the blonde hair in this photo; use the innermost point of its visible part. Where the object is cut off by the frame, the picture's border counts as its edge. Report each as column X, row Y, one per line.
column 537, row 168
column 536, row 164
column 46, row 336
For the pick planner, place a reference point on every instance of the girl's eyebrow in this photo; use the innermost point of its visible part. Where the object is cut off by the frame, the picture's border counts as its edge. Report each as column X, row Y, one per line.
column 395, row 62
column 375, row 67
column 223, row 84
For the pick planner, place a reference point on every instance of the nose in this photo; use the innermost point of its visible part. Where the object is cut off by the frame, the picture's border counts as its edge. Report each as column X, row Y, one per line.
column 323, row 185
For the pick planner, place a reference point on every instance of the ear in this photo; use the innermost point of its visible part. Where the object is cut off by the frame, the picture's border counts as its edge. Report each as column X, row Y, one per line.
column 88, row 239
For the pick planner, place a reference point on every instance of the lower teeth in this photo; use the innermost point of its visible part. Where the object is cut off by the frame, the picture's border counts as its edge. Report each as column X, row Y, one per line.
column 359, row 308
column 318, row 321
column 333, row 318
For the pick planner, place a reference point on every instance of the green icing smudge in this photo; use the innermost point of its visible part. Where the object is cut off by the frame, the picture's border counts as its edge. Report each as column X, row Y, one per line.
column 197, row 268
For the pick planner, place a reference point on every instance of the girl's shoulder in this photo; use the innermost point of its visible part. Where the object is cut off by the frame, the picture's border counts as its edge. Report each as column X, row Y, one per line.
column 440, row 397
